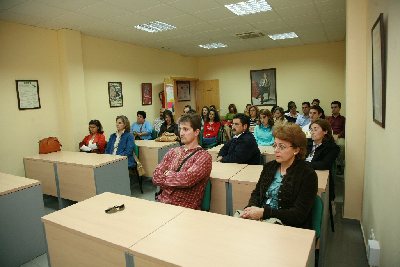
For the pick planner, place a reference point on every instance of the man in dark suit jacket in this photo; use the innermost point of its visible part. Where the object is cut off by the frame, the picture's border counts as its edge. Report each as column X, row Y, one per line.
column 242, row 148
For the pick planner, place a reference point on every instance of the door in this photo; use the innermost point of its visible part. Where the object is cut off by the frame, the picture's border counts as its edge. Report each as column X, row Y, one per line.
column 207, row 93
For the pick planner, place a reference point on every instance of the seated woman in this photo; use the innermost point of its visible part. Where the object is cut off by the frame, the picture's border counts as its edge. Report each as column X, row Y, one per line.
column 323, row 151
column 169, row 124
column 254, row 121
column 95, row 142
column 122, row 142
column 287, row 186
column 263, row 131
column 232, row 111
column 279, row 116
column 204, row 115
column 211, row 128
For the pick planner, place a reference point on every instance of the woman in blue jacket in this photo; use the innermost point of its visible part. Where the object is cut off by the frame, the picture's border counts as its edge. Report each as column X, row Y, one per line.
column 122, row 142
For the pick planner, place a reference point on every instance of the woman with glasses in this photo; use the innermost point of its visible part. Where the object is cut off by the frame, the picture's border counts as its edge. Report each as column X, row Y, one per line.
column 254, row 121
column 263, row 131
column 169, row 124
column 95, row 142
column 287, row 186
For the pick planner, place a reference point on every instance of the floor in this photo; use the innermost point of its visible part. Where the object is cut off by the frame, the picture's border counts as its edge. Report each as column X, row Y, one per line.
column 345, row 245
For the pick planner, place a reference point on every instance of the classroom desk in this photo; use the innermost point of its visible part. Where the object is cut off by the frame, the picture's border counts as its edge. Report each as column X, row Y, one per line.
column 78, row 176
column 21, row 235
column 84, row 235
column 196, row 238
column 214, row 151
column 220, row 196
column 151, row 153
column 267, row 152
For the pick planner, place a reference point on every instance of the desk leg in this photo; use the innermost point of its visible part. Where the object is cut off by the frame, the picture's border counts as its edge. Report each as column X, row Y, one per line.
column 229, row 203
column 130, row 262
column 60, row 201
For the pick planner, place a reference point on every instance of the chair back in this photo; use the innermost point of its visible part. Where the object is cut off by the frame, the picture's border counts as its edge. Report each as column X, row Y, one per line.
column 206, row 203
column 317, row 213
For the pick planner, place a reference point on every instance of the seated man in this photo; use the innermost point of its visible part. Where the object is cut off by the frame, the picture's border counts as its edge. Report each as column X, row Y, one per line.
column 304, row 119
column 242, row 148
column 184, row 171
column 141, row 129
column 338, row 123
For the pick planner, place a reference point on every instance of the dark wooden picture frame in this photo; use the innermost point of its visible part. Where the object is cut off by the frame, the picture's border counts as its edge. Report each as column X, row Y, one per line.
column 28, row 94
column 147, row 94
column 183, row 90
column 115, row 96
column 379, row 71
column 263, row 87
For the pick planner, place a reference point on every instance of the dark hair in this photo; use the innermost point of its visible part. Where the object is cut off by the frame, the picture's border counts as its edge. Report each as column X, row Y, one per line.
column 193, row 119
column 244, row 119
column 213, row 107
column 273, row 109
column 187, row 106
column 293, row 134
column 234, row 108
column 168, row 112
column 98, row 125
column 216, row 115
column 306, row 103
column 317, row 108
column 257, row 110
column 325, row 126
column 290, row 105
column 140, row 112
column 267, row 113
column 316, row 100
column 205, row 118
column 280, row 109
column 337, row 103
column 125, row 121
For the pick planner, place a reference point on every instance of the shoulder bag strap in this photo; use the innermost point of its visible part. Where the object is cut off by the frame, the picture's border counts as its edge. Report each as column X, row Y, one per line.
column 185, row 159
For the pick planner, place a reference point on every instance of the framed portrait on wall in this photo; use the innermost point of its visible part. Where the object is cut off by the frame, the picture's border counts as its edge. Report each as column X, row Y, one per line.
column 115, row 96
column 28, row 94
column 263, row 87
column 183, row 90
column 378, row 72
column 147, row 95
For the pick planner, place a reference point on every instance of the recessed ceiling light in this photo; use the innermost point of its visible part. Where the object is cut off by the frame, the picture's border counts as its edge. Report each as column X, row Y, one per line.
column 249, row 7
column 213, row 45
column 281, row 36
column 155, row 26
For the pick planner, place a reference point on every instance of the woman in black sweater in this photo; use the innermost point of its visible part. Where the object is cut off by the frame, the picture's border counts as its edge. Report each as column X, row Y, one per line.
column 287, row 186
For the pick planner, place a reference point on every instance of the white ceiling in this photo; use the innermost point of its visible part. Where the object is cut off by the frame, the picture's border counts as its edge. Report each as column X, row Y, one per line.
column 197, row 22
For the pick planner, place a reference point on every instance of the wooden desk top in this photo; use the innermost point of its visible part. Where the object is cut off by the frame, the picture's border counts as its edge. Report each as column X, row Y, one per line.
column 153, row 144
column 225, row 171
column 78, row 158
column 196, row 238
column 251, row 173
column 11, row 183
column 216, row 148
column 322, row 180
column 266, row 150
column 121, row 229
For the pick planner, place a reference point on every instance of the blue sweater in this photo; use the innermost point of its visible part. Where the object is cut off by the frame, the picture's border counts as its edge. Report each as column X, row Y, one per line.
column 125, row 147
column 264, row 135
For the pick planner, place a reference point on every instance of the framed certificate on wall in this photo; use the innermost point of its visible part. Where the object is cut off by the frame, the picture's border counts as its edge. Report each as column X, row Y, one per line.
column 28, row 94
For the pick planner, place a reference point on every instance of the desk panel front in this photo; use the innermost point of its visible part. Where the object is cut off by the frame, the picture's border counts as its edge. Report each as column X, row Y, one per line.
column 196, row 238
column 84, row 235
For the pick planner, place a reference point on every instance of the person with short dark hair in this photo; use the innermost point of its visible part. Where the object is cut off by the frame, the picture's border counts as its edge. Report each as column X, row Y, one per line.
column 317, row 102
column 184, row 171
column 95, row 142
column 287, row 186
column 304, row 119
column 169, row 124
column 141, row 129
column 291, row 113
column 187, row 109
column 122, row 142
column 242, row 148
column 314, row 114
column 338, row 124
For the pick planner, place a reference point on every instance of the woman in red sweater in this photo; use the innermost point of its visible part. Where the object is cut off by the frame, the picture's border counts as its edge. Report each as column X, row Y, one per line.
column 211, row 128
column 95, row 142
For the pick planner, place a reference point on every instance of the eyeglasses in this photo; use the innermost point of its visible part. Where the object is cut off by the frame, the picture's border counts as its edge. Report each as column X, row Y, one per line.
column 115, row 209
column 280, row 147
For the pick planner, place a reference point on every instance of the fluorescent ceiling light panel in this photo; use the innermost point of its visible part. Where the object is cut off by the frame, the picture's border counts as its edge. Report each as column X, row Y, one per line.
column 281, row 36
column 249, row 7
column 155, row 26
column 213, row 45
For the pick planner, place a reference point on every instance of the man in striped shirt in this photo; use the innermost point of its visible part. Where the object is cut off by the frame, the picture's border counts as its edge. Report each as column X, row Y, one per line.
column 184, row 171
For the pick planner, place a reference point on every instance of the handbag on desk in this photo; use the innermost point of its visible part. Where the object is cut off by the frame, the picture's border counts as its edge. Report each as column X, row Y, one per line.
column 48, row 145
column 167, row 137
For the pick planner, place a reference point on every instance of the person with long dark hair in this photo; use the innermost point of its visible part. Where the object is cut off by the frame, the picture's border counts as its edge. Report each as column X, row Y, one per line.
column 95, row 142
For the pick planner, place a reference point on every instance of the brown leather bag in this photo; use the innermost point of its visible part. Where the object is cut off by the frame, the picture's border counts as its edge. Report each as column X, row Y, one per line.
column 48, row 145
